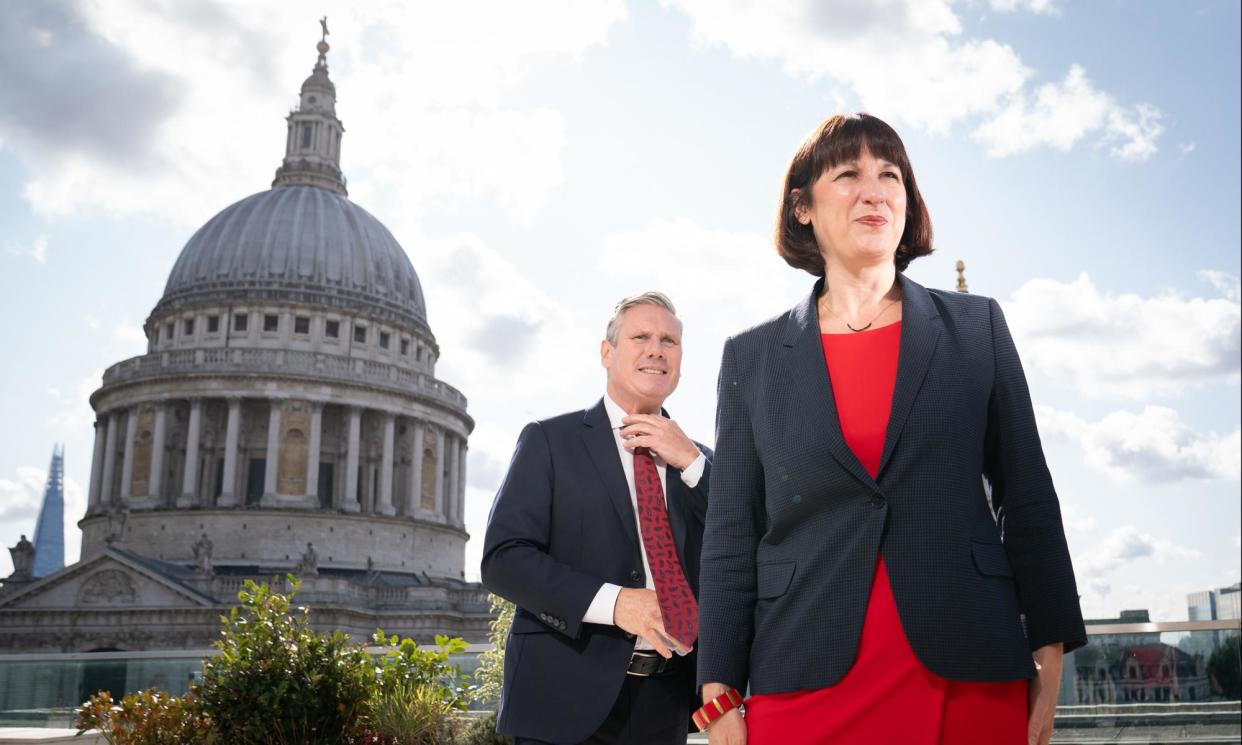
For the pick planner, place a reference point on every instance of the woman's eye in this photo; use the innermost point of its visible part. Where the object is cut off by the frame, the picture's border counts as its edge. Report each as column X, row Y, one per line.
column 847, row 174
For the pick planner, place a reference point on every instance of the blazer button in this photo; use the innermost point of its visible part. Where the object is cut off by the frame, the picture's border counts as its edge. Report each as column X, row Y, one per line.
column 629, row 636
column 878, row 502
column 636, row 576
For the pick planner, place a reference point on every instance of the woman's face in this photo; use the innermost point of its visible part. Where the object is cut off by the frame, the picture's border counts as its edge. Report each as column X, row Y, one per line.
column 857, row 210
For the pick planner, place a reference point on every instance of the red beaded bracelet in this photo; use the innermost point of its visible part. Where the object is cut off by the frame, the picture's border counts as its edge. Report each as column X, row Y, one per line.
column 716, row 708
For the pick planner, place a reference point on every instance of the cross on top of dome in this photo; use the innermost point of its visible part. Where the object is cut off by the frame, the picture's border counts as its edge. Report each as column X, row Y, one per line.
column 313, row 142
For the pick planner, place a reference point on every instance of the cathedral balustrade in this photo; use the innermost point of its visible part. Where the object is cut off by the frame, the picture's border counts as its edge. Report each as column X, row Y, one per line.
column 316, row 365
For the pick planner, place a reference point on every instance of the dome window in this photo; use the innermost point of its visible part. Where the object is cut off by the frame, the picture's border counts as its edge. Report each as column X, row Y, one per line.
column 169, row 330
column 306, row 135
column 189, row 327
column 241, row 322
column 405, row 347
column 360, row 334
column 271, row 322
column 213, row 324
column 301, row 324
column 332, row 329
column 384, row 338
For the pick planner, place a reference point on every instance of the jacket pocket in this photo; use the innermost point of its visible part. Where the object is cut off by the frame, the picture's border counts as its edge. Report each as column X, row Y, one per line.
column 990, row 559
column 773, row 577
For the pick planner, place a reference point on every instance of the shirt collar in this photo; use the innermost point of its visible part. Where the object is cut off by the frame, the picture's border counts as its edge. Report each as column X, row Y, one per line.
column 615, row 412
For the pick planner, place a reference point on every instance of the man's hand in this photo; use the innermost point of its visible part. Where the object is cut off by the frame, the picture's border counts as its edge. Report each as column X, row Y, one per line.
column 662, row 436
column 729, row 729
column 638, row 612
column 1042, row 694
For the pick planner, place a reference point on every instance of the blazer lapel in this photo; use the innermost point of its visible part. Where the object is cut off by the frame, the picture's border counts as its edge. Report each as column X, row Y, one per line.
column 602, row 447
column 920, row 330
column 809, row 375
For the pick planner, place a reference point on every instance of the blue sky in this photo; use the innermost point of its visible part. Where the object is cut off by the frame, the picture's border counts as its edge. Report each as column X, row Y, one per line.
column 540, row 160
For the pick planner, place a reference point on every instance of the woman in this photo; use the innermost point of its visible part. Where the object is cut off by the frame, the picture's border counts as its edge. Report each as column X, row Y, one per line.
column 884, row 559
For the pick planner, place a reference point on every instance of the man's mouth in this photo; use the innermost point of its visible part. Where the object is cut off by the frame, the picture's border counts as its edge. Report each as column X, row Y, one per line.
column 652, row 371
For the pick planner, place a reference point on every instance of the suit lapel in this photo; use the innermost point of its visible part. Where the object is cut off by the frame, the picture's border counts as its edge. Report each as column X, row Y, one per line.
column 809, row 375
column 920, row 330
column 602, row 447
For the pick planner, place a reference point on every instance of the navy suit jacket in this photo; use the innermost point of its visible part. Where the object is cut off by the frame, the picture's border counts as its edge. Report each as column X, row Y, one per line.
column 795, row 522
column 562, row 525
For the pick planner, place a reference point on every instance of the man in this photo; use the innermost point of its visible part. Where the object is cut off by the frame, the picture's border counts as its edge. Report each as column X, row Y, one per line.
column 595, row 536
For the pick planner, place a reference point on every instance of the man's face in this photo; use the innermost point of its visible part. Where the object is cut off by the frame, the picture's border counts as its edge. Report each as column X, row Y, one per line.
column 645, row 365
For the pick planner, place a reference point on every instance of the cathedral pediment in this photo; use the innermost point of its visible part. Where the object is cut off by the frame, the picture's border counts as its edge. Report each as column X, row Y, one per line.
column 114, row 579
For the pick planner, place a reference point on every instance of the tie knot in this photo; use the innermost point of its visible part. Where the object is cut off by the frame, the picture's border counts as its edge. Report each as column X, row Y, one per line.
column 642, row 451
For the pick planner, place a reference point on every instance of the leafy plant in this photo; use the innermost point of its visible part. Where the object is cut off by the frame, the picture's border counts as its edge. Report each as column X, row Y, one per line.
column 482, row 731
column 407, row 712
column 148, row 717
column 406, row 663
column 491, row 672
column 276, row 681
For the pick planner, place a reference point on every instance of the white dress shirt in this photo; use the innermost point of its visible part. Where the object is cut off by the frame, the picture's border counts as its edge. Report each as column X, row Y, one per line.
column 600, row 610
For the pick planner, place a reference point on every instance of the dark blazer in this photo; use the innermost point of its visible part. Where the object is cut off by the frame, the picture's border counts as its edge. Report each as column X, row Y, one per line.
column 562, row 525
column 795, row 522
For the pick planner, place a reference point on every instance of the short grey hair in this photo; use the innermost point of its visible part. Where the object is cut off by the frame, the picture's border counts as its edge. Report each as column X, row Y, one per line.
column 652, row 297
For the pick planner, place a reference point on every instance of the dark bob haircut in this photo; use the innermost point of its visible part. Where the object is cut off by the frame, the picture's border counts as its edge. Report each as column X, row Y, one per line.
column 839, row 139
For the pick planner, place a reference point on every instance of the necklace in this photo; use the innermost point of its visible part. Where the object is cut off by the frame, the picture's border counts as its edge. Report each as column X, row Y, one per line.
column 828, row 307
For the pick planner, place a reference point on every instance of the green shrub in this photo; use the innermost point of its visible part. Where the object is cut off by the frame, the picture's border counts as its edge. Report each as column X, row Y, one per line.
column 482, row 731
column 1223, row 669
column 491, row 671
column 405, row 712
column 148, row 717
column 276, row 681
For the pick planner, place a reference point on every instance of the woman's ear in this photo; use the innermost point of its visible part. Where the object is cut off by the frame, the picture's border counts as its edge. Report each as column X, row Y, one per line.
column 801, row 210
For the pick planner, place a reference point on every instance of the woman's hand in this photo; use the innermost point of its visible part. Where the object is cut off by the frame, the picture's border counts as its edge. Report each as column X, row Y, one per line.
column 729, row 729
column 1042, row 694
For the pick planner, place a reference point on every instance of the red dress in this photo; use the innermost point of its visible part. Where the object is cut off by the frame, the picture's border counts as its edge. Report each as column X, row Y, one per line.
column 887, row 696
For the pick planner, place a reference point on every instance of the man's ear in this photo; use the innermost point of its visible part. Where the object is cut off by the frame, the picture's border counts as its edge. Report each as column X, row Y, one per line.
column 605, row 354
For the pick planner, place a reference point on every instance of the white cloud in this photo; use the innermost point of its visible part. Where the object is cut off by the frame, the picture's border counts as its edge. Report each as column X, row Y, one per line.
column 907, row 61
column 1186, row 148
column 37, row 250
column 131, row 338
column 1226, row 283
column 1126, row 346
column 1040, row 7
column 74, row 417
column 1061, row 115
column 423, row 92
column 1125, row 545
column 1153, row 445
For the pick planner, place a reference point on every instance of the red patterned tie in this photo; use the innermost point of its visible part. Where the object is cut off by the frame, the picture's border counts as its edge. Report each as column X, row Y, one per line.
column 677, row 604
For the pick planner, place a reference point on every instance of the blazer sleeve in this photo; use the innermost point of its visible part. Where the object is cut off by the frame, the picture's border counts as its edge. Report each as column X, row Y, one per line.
column 697, row 497
column 727, row 581
column 1024, row 498
column 516, row 562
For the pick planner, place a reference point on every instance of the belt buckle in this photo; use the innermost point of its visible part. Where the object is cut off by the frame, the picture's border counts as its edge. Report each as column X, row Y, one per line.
column 644, row 655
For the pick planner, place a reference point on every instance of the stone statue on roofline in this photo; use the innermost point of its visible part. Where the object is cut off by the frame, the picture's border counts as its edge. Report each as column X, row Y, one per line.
column 202, row 554
column 23, row 559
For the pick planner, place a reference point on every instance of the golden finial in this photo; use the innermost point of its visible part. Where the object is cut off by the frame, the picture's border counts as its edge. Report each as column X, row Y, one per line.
column 322, row 46
column 961, row 276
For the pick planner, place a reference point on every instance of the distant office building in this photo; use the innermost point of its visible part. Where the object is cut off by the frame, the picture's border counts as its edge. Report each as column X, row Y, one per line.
column 49, row 535
column 1229, row 602
column 1201, row 606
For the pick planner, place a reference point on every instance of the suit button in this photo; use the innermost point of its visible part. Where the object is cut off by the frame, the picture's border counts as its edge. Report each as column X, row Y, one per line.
column 636, row 576
column 878, row 502
column 629, row 636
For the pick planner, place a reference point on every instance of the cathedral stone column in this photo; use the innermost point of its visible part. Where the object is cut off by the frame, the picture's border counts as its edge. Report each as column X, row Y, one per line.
column 189, row 481
column 461, row 482
column 228, row 489
column 272, row 458
column 312, row 454
column 109, row 461
column 351, row 460
column 450, row 498
column 101, row 429
column 414, row 490
column 384, row 504
column 440, row 507
column 155, row 479
column 127, row 462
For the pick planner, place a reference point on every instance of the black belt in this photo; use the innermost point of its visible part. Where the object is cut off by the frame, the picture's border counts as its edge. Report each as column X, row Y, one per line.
column 646, row 663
